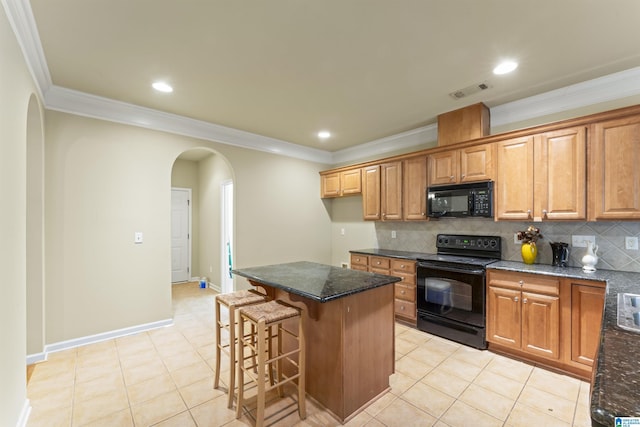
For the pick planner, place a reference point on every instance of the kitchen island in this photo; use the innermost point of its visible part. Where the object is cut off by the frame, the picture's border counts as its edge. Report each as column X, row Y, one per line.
column 348, row 319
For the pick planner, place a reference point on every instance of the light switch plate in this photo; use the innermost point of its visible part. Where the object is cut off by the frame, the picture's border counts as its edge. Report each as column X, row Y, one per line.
column 631, row 243
column 581, row 241
column 137, row 237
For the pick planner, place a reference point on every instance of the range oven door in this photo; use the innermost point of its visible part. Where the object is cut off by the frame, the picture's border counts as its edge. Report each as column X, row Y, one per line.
column 451, row 301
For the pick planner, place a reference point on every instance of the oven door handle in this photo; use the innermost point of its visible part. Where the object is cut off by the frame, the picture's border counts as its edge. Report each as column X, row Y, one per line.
column 476, row 272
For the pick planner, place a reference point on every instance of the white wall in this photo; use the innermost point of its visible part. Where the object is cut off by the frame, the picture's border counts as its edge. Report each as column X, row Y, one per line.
column 16, row 91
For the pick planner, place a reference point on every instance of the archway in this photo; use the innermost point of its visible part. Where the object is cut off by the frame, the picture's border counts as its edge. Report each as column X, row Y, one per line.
column 203, row 171
column 35, row 233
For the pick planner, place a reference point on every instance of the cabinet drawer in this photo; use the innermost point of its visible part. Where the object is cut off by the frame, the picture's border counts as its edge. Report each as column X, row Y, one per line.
column 404, row 266
column 525, row 282
column 405, row 309
column 407, row 279
column 359, row 267
column 359, row 260
column 379, row 262
column 404, row 292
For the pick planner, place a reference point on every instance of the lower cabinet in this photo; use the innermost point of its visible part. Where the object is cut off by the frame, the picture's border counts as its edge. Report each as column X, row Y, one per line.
column 404, row 291
column 548, row 320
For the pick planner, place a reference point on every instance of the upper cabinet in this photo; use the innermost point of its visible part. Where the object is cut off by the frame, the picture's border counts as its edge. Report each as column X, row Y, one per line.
column 382, row 192
column 614, row 173
column 414, row 192
column 467, row 164
column 542, row 177
column 338, row 184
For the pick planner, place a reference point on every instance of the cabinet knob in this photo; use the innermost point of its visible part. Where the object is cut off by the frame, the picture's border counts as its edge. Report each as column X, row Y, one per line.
column 462, row 176
column 516, row 299
column 528, row 213
column 451, row 177
column 384, row 214
column 402, row 292
column 402, row 307
column 544, row 212
column 521, row 282
column 524, row 301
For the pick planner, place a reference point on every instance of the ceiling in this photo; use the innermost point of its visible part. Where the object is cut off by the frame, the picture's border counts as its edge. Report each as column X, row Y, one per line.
column 362, row 69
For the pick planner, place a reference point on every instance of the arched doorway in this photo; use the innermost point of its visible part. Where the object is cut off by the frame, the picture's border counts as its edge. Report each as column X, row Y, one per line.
column 203, row 171
column 35, row 234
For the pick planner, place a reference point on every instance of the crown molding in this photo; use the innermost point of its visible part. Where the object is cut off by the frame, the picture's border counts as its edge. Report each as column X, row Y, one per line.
column 614, row 86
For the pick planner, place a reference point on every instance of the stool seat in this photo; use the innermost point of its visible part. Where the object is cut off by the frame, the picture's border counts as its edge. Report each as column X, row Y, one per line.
column 241, row 298
column 270, row 312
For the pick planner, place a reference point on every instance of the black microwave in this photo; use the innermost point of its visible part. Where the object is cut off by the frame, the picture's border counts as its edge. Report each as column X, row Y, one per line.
column 474, row 199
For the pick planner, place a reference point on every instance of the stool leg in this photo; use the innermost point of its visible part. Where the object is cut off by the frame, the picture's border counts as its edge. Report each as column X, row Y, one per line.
column 240, row 402
column 279, row 362
column 302, row 407
column 261, row 373
column 232, row 354
column 216, row 306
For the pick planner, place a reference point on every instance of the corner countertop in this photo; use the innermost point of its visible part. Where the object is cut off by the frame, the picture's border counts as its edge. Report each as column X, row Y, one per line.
column 616, row 384
column 389, row 253
column 318, row 282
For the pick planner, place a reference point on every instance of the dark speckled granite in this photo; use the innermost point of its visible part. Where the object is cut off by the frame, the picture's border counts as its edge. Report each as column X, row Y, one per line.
column 318, row 282
column 391, row 253
column 616, row 386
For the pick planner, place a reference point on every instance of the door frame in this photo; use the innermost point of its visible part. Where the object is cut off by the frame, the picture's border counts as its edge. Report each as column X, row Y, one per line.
column 190, row 239
column 226, row 229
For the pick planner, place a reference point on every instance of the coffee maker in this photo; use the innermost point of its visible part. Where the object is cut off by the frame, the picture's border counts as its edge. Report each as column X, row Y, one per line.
column 560, row 254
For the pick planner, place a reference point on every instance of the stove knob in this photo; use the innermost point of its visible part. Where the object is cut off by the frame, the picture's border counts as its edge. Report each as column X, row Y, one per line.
column 494, row 243
column 479, row 243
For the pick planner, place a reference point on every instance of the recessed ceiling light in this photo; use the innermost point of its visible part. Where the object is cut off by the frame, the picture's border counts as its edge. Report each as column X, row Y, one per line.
column 162, row 87
column 505, row 67
column 323, row 134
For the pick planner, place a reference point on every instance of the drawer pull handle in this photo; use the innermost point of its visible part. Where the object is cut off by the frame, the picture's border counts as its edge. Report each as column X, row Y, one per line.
column 402, row 307
column 402, row 292
column 524, row 301
column 516, row 299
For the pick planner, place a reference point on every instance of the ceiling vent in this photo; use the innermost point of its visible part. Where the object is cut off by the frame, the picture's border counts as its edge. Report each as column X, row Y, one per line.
column 470, row 90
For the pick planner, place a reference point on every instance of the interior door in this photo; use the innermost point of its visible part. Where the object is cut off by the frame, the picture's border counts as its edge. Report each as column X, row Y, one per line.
column 180, row 234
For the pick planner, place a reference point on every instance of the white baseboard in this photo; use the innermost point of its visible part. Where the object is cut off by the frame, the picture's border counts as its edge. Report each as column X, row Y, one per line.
column 215, row 287
column 92, row 339
column 35, row 358
column 24, row 414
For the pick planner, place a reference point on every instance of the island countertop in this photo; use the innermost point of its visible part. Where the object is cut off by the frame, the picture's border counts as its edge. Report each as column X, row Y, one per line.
column 318, row 282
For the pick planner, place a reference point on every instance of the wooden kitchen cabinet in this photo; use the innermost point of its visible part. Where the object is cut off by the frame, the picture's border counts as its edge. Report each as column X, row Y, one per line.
column 339, row 184
column 405, row 290
column 542, row 177
column 586, row 307
column 614, row 185
column 467, row 164
column 523, row 313
column 380, row 265
column 359, row 262
column 414, row 191
column 382, row 192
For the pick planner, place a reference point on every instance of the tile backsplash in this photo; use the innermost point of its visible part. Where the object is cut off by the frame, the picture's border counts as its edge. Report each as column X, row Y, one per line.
column 610, row 238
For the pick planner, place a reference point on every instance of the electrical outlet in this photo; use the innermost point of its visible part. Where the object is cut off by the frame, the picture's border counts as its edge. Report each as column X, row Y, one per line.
column 342, row 231
column 137, row 237
column 631, row 243
column 393, row 234
column 581, row 241
column 515, row 239
column 344, row 265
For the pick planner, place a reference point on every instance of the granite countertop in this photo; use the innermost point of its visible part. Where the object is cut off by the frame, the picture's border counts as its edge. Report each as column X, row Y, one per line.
column 391, row 253
column 616, row 384
column 318, row 282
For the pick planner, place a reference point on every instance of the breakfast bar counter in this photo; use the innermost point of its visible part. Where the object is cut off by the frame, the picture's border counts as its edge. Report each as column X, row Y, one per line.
column 348, row 319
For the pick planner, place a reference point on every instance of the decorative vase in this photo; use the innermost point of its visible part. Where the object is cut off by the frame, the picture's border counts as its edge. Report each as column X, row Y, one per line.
column 590, row 258
column 529, row 252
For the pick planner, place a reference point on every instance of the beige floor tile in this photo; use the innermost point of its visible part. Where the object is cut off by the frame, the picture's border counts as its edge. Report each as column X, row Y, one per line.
column 213, row 413
column 487, row 401
column 462, row 415
column 61, row 371
column 460, row 369
column 359, row 420
column 525, row 416
column 403, row 346
column 441, row 424
column 431, row 355
column 192, row 373
column 400, row 383
column 445, row 382
column 183, row 419
column 413, row 368
column 158, row 409
column 199, row 392
column 428, row 399
column 504, row 386
column 415, row 336
column 548, row 403
column 56, row 417
column 402, row 413
column 382, row 402
column 149, row 389
column 560, row 385
column 138, row 373
column 99, row 407
column 374, row 423
column 111, row 383
column 48, row 398
column 186, row 357
column 97, row 370
column 510, row 368
column 120, row 419
column 473, row 356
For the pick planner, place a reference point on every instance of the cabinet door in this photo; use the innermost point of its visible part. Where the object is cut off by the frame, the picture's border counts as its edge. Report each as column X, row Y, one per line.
column 414, row 195
column 560, row 174
column 614, row 161
column 541, row 325
column 330, row 185
column 514, row 181
column 350, row 182
column 371, row 193
column 443, row 167
column 503, row 317
column 587, row 304
column 391, row 191
column 476, row 163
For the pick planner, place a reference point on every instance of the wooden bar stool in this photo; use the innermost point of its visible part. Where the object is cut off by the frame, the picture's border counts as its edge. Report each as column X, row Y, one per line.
column 265, row 318
column 232, row 301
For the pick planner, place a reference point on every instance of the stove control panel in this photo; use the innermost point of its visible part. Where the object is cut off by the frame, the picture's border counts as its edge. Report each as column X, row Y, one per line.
column 464, row 242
